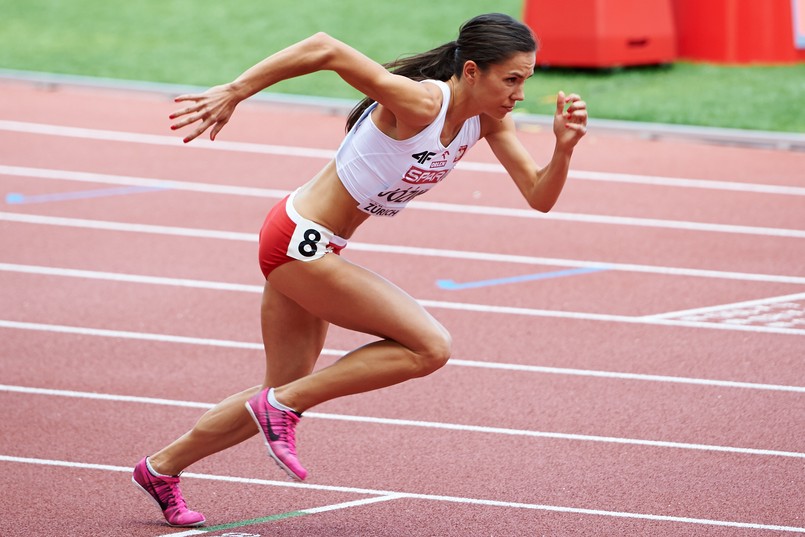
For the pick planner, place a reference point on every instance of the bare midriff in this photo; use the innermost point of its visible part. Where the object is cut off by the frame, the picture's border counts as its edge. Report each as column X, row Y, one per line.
column 326, row 201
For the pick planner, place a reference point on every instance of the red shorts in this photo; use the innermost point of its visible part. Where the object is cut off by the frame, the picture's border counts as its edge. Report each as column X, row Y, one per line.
column 286, row 236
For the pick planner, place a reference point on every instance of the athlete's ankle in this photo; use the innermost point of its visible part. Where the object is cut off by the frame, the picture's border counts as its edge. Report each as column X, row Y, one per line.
column 159, row 467
column 278, row 403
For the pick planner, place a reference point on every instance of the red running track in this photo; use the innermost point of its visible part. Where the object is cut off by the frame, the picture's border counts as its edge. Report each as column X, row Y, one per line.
column 656, row 389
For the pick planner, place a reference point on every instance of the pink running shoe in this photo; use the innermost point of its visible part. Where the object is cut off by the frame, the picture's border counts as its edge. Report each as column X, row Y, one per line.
column 166, row 494
column 277, row 427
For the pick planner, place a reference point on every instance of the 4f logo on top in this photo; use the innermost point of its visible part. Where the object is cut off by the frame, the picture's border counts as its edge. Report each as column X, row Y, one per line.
column 424, row 156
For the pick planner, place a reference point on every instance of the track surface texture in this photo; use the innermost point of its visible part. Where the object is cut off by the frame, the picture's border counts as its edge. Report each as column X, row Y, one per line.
column 631, row 363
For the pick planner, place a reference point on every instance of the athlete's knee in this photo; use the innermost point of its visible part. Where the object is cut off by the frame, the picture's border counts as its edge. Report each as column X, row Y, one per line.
column 434, row 353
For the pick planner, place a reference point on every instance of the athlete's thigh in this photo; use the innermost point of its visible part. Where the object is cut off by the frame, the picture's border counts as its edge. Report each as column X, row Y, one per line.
column 355, row 298
column 292, row 337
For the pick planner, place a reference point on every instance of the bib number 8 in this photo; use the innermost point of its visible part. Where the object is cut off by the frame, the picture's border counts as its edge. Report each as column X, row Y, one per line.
column 309, row 246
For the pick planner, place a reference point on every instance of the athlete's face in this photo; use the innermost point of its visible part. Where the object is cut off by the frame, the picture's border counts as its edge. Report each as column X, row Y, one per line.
column 502, row 84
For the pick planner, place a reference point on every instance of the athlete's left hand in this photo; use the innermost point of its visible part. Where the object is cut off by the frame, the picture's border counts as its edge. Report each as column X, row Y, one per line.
column 213, row 108
column 570, row 124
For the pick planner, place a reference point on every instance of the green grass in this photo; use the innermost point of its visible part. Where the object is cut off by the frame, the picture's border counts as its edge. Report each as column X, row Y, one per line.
column 206, row 42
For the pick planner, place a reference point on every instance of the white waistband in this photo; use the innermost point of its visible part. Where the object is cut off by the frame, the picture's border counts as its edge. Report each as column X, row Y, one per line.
column 290, row 210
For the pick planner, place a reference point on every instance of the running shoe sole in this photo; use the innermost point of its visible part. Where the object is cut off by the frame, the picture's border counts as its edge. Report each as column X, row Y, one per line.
column 193, row 525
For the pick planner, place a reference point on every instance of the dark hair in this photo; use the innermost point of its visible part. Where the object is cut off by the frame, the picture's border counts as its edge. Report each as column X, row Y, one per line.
column 486, row 39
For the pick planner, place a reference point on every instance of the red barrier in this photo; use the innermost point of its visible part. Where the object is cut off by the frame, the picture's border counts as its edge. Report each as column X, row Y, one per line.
column 741, row 31
column 602, row 33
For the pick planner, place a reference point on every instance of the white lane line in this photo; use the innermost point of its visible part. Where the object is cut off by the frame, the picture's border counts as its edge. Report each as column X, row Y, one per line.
column 129, row 278
column 602, row 317
column 122, row 334
column 426, row 497
column 127, row 227
column 610, row 220
column 162, row 140
column 624, row 376
column 679, row 182
column 734, row 305
column 354, row 503
column 186, row 533
column 106, row 225
column 245, row 147
column 558, row 262
column 423, row 205
column 184, row 340
column 282, row 516
column 456, row 306
column 425, row 424
column 126, row 180
column 559, row 436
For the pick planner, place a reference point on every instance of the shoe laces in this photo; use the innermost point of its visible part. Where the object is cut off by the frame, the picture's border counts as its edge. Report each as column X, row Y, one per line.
column 288, row 431
column 172, row 495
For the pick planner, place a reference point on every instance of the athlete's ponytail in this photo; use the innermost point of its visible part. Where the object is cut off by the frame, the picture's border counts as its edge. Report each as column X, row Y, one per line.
column 486, row 39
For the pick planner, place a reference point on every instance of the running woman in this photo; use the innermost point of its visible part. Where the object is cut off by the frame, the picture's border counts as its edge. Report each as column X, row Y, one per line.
column 420, row 115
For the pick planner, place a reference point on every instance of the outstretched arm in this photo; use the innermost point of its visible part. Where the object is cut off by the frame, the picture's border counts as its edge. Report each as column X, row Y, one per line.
column 541, row 187
column 412, row 103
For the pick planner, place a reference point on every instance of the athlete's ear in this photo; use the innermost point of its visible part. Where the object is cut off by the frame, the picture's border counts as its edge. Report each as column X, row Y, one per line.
column 470, row 71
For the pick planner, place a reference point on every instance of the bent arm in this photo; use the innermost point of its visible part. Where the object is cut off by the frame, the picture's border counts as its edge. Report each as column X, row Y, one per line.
column 540, row 187
column 322, row 52
column 412, row 103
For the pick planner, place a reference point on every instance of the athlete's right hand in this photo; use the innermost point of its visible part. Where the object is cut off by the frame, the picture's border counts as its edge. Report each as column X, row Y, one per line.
column 213, row 108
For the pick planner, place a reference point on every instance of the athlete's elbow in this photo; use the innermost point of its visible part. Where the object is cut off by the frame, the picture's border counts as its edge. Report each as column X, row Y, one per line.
column 542, row 205
column 321, row 39
column 324, row 45
column 542, row 199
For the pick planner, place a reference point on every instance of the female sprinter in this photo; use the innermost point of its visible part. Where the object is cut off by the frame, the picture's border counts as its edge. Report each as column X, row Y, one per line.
column 417, row 121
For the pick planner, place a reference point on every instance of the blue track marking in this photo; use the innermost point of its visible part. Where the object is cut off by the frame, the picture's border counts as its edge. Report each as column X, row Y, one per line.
column 450, row 285
column 15, row 198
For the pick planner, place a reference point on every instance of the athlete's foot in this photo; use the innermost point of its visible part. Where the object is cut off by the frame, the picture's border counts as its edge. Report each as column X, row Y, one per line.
column 278, row 428
column 165, row 492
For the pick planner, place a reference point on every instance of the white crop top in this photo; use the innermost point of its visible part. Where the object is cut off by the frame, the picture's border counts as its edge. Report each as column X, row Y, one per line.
column 384, row 174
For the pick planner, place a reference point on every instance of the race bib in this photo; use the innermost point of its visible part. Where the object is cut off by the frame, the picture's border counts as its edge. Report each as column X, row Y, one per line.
column 309, row 242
